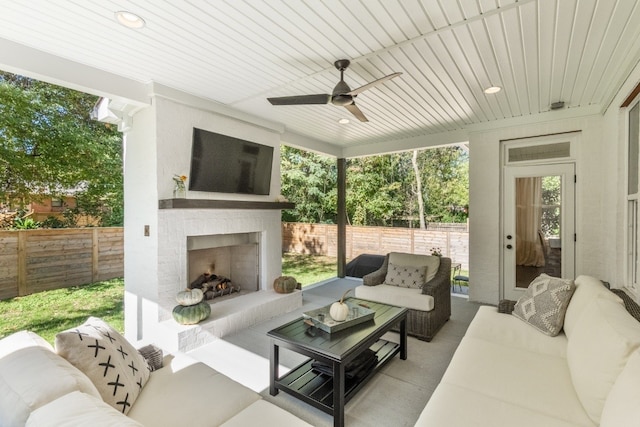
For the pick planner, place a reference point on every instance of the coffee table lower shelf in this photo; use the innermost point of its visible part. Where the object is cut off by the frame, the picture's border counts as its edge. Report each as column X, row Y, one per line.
column 316, row 388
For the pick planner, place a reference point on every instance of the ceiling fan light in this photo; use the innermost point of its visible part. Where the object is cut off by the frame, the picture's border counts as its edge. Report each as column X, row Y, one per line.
column 129, row 20
column 492, row 89
column 344, row 121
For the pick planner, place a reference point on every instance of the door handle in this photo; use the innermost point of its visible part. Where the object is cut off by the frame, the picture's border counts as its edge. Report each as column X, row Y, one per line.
column 509, row 247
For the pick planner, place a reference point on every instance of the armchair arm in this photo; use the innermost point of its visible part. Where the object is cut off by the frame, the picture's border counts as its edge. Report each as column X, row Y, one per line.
column 441, row 279
column 377, row 277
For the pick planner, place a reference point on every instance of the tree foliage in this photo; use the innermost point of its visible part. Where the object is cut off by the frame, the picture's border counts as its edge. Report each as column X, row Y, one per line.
column 50, row 147
column 381, row 190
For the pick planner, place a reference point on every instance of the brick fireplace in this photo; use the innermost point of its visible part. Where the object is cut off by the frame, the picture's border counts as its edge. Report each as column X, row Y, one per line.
column 244, row 245
column 160, row 231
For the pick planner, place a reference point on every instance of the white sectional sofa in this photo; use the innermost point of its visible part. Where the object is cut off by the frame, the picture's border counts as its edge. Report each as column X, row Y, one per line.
column 41, row 388
column 506, row 373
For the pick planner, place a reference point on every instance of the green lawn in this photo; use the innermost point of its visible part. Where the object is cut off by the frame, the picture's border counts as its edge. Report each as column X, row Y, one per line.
column 308, row 269
column 47, row 313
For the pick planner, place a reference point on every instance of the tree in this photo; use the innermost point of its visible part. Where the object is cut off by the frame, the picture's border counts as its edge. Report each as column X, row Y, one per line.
column 380, row 189
column 418, row 192
column 49, row 146
column 309, row 181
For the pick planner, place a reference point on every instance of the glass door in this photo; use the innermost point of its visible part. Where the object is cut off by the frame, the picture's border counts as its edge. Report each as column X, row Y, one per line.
column 538, row 225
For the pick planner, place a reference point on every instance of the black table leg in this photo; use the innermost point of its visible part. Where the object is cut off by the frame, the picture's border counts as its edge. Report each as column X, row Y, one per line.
column 338, row 394
column 403, row 339
column 274, row 362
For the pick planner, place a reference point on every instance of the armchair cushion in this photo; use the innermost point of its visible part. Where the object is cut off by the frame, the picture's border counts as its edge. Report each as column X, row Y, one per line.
column 416, row 260
column 394, row 295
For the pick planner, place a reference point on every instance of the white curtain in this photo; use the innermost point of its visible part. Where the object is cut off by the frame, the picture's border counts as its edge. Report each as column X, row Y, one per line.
column 528, row 220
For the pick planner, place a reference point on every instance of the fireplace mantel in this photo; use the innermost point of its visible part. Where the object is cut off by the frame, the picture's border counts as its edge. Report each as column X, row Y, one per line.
column 221, row 204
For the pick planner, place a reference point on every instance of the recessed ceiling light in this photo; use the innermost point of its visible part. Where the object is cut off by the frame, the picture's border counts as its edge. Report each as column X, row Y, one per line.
column 129, row 20
column 492, row 89
column 343, row 121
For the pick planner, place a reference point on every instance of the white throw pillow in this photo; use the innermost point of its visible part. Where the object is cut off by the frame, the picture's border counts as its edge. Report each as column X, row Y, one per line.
column 114, row 366
column 598, row 349
column 587, row 289
column 544, row 303
column 405, row 276
column 621, row 408
column 33, row 375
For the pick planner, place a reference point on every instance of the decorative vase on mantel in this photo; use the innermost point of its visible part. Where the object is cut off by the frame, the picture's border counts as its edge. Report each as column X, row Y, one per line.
column 179, row 191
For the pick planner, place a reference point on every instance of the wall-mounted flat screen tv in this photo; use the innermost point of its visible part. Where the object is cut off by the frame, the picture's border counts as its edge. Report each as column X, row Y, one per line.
column 223, row 164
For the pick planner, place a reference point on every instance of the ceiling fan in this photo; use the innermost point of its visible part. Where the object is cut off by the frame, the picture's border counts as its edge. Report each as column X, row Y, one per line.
column 342, row 94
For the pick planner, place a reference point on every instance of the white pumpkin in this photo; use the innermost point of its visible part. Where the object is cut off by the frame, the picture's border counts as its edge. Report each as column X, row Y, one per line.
column 189, row 297
column 339, row 310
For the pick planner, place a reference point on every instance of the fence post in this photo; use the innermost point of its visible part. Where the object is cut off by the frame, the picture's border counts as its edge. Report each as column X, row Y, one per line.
column 95, row 251
column 22, row 263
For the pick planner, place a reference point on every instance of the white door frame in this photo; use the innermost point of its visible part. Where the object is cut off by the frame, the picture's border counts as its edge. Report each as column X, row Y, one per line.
column 566, row 170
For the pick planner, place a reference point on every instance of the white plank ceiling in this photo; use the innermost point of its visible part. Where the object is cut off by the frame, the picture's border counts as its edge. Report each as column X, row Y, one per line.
column 238, row 53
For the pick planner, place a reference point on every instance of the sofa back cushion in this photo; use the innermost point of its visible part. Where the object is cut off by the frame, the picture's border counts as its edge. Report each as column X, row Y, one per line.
column 587, row 289
column 598, row 349
column 621, row 408
column 32, row 375
column 432, row 263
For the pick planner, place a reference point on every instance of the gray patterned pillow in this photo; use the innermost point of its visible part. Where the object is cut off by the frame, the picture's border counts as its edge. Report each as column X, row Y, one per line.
column 544, row 303
column 405, row 276
column 113, row 365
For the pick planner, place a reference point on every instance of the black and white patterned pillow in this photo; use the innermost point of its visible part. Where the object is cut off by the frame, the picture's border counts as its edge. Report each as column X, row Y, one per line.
column 114, row 366
column 405, row 276
column 544, row 303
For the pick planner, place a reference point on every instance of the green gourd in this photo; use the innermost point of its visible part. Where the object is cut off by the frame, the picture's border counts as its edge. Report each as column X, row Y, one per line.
column 189, row 297
column 191, row 314
column 285, row 284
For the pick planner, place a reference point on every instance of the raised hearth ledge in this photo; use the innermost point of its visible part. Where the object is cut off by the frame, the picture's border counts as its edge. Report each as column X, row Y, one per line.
column 221, row 204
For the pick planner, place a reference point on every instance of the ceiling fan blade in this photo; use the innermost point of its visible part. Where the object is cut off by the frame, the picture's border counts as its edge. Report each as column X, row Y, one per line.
column 372, row 84
column 321, row 98
column 353, row 109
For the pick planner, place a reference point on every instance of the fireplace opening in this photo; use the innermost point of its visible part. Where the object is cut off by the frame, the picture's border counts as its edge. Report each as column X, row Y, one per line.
column 224, row 265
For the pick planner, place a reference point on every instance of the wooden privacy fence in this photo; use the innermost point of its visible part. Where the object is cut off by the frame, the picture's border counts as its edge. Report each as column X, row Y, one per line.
column 321, row 239
column 40, row 260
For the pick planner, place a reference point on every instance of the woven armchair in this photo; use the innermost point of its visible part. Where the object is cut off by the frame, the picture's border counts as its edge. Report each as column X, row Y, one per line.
column 424, row 324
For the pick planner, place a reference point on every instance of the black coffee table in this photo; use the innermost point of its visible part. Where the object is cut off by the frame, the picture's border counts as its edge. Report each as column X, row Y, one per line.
column 330, row 393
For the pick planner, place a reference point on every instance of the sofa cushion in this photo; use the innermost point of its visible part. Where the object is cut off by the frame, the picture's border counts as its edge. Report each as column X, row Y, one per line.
column 406, row 276
column 509, row 331
column 416, row 260
column 394, row 295
column 587, row 289
column 598, row 349
column 264, row 414
column 457, row 406
column 544, row 303
column 114, row 366
column 621, row 408
column 33, row 375
column 79, row 409
column 189, row 393
column 516, row 377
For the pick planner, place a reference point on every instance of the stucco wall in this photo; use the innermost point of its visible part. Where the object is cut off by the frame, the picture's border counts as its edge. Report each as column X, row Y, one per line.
column 595, row 163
